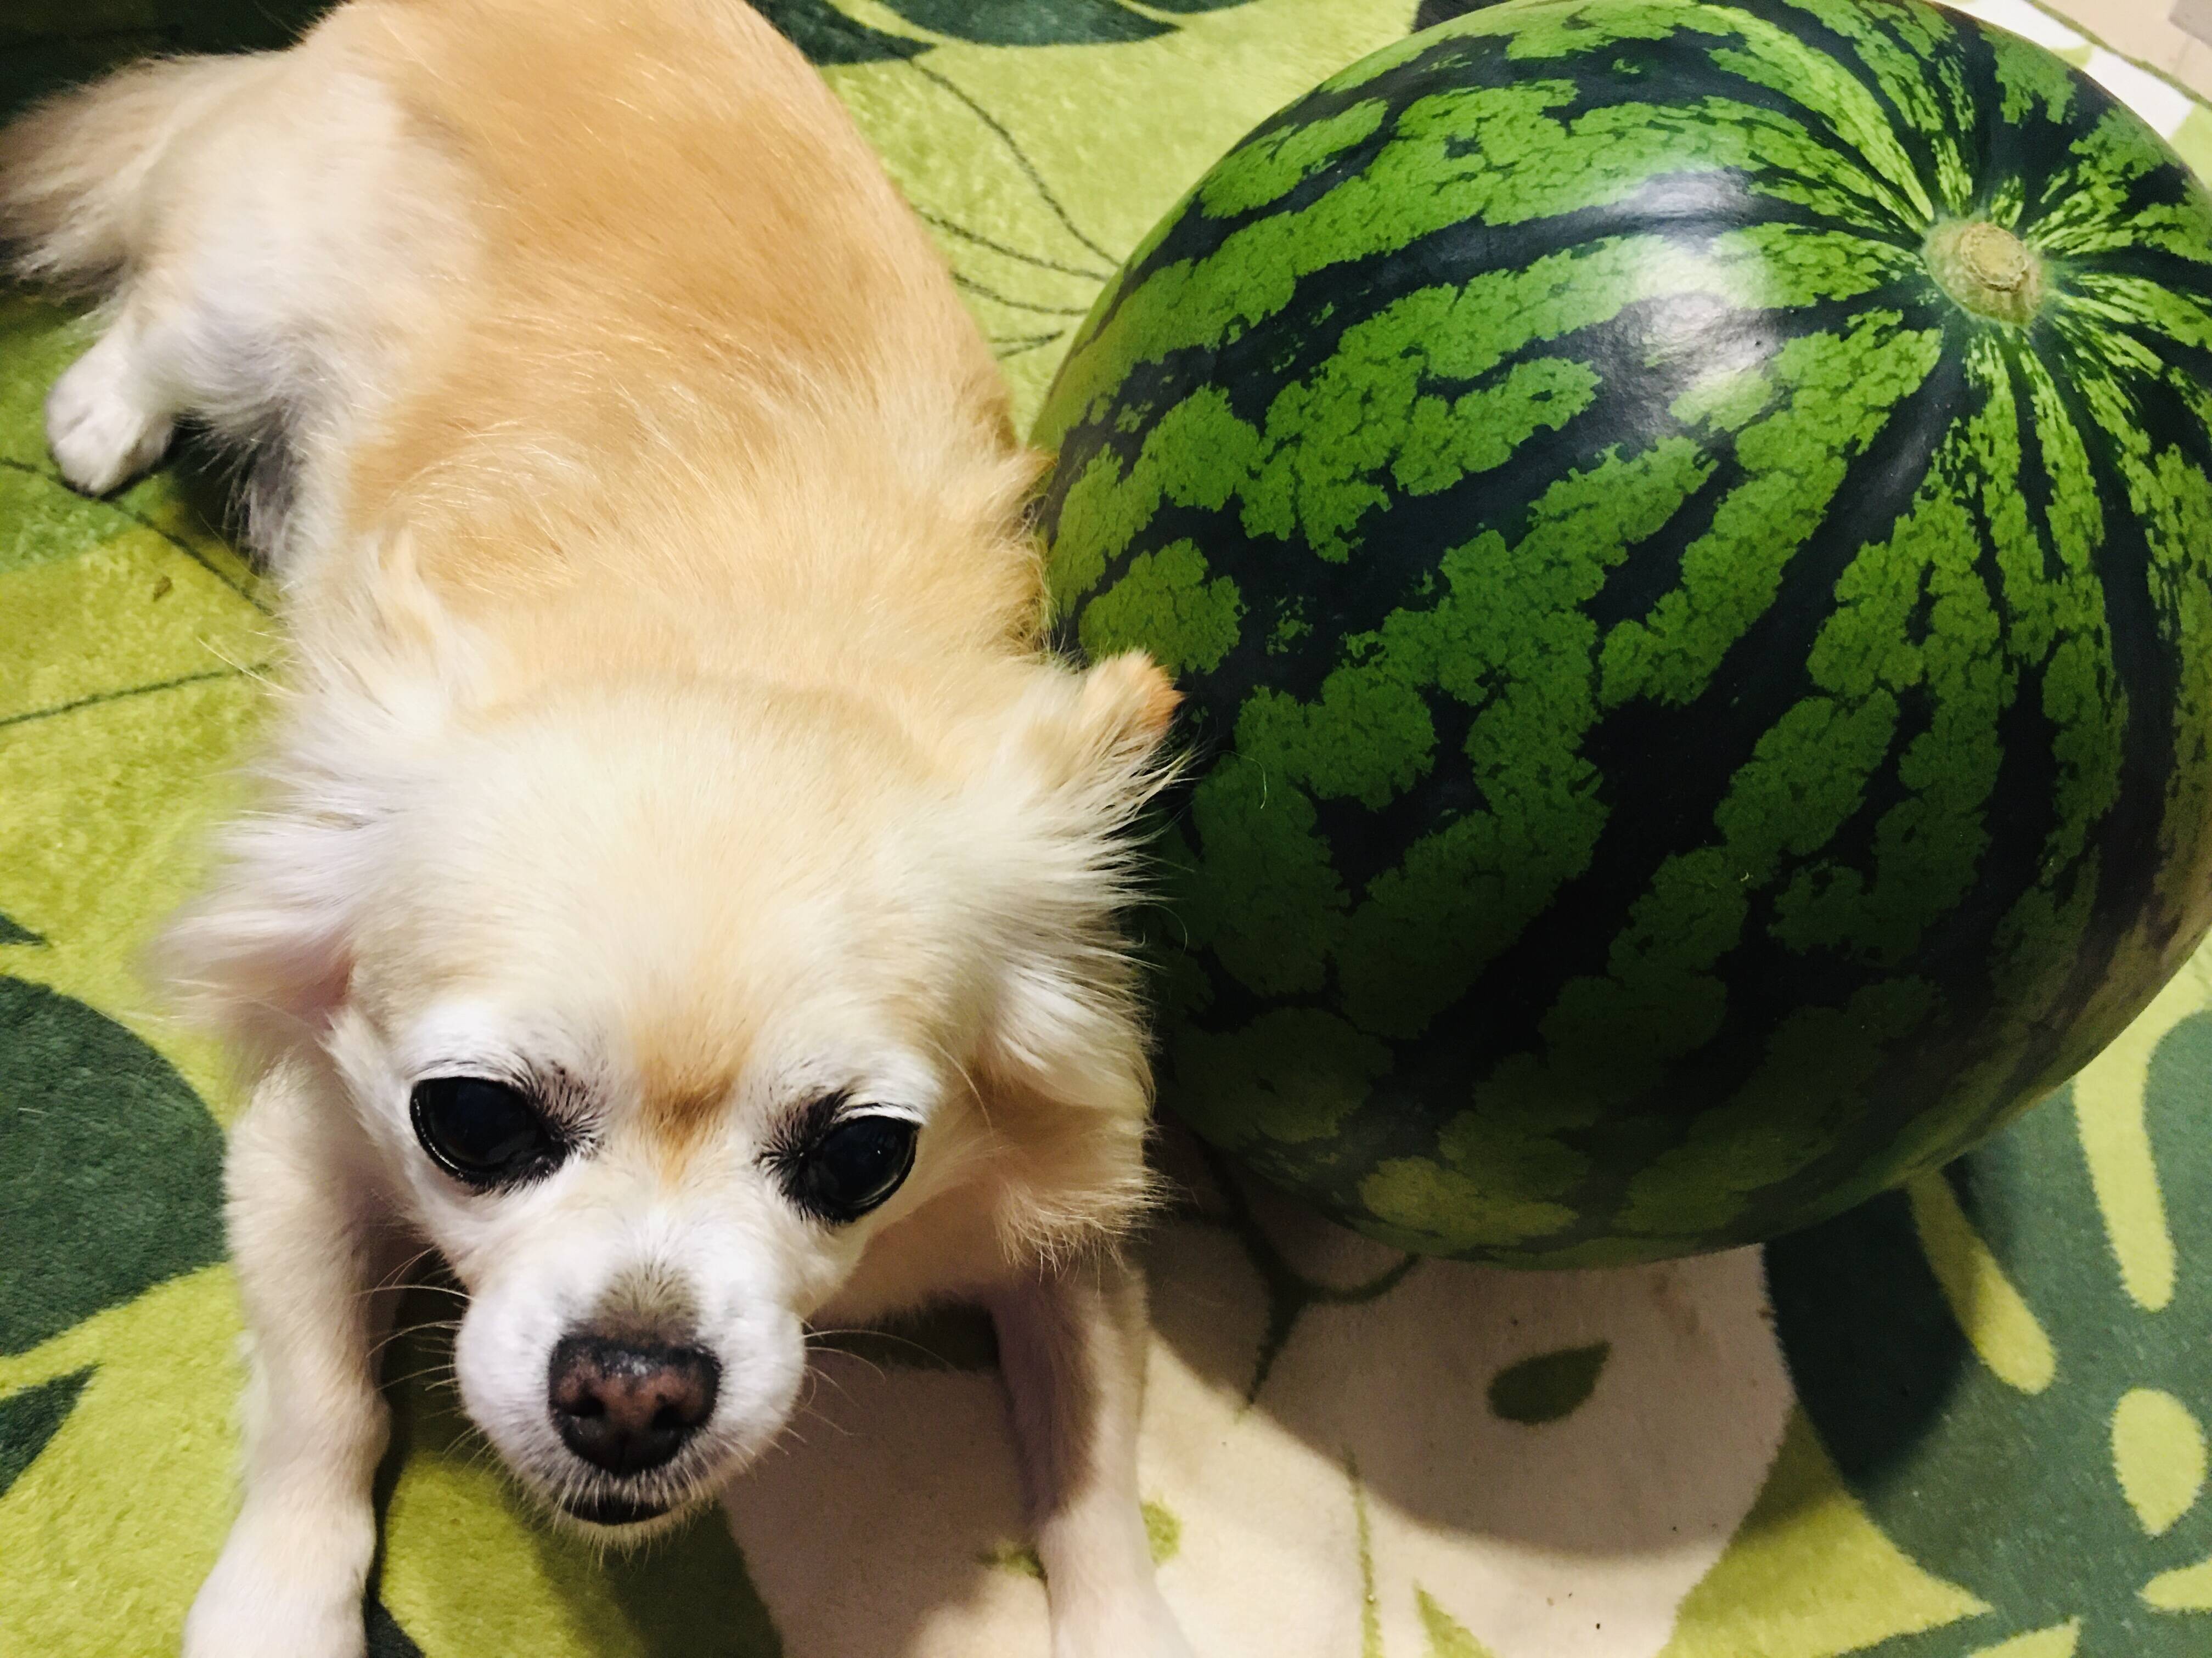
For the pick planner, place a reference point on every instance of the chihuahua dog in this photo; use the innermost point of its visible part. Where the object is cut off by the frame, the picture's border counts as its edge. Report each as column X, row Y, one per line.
column 683, row 891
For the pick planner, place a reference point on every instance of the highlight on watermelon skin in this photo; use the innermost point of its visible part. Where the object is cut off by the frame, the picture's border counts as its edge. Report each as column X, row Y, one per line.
column 1684, row 531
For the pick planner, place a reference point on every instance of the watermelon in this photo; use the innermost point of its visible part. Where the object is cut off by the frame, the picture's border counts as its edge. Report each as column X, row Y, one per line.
column 1684, row 530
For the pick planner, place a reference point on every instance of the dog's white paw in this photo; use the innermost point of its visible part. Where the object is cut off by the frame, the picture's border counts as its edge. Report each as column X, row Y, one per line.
column 269, row 1597
column 98, row 423
column 1140, row 1626
column 1164, row 1637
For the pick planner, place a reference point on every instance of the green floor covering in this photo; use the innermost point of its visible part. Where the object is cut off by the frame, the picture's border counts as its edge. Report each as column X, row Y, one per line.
column 1967, row 1420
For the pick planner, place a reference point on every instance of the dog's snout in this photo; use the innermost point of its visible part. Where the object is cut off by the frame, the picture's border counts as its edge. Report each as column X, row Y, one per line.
column 627, row 1406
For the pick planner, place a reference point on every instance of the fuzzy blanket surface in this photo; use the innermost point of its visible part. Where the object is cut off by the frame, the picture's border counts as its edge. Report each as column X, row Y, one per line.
column 1967, row 1420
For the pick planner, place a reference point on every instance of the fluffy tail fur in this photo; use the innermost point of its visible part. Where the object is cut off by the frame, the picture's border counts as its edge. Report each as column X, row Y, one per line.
column 80, row 174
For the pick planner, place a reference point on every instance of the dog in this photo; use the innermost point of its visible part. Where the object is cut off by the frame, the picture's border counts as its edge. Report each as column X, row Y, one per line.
column 683, row 889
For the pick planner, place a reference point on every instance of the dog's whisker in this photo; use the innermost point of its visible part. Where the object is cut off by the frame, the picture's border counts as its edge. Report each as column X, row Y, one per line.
column 377, row 1348
column 867, row 1334
column 814, row 1384
column 823, row 1376
column 398, row 1283
column 433, row 1375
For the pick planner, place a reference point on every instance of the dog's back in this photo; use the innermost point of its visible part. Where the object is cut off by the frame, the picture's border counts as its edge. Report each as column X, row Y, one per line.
column 737, row 245
column 500, row 270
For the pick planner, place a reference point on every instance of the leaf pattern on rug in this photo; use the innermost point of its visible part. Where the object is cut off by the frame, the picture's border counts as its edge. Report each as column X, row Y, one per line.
column 2007, row 1360
column 29, row 1418
column 110, row 1167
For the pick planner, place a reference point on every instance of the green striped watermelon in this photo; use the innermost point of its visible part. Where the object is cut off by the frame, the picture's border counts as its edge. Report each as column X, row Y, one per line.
column 1685, row 528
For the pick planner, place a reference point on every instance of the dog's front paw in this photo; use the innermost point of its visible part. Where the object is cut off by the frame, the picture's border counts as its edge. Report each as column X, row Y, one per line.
column 98, row 424
column 1163, row 1637
column 1139, row 1626
column 273, row 1596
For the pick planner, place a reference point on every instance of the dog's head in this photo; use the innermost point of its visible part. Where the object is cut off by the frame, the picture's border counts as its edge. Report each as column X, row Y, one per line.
column 673, row 1012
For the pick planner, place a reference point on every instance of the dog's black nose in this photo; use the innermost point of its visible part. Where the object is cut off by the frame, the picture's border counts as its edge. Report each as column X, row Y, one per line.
column 627, row 1406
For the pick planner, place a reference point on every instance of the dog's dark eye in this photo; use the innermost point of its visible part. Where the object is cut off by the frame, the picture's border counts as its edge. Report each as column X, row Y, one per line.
column 854, row 1167
column 483, row 1133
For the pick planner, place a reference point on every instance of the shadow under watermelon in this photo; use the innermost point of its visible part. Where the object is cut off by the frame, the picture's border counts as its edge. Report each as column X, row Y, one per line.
column 2018, row 1466
column 1596, row 1414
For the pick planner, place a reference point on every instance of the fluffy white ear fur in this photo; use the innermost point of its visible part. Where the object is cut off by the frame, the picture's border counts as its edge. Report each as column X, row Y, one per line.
column 266, row 955
column 1086, row 756
column 1092, row 740
column 1068, row 1049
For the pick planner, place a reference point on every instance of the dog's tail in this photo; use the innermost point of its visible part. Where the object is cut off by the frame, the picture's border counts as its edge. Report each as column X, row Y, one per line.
column 80, row 174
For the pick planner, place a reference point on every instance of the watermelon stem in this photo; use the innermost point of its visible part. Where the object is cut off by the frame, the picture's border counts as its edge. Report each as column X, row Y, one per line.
column 1986, row 268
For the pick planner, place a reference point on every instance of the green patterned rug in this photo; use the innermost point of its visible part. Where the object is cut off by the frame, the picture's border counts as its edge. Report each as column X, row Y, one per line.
column 1964, row 1420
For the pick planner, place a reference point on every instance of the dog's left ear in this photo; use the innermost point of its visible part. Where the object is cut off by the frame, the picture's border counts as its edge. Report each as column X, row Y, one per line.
column 1087, row 752
column 1100, row 733
column 1064, row 1067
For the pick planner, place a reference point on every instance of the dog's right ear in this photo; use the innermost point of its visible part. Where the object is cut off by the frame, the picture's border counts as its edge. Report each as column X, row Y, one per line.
column 267, row 954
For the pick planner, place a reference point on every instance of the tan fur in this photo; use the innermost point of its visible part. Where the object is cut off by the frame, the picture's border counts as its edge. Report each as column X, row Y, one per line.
column 666, row 717
column 736, row 262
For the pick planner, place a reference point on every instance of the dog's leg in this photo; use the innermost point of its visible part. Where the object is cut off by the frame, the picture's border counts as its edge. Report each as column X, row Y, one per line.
column 111, row 415
column 266, row 239
column 289, row 1580
column 87, row 183
column 1072, row 1348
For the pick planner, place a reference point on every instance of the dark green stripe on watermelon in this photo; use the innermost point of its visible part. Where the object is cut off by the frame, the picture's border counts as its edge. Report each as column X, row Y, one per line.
column 1700, row 641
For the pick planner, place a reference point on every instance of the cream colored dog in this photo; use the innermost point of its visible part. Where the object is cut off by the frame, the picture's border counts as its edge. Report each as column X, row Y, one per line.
column 684, row 891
